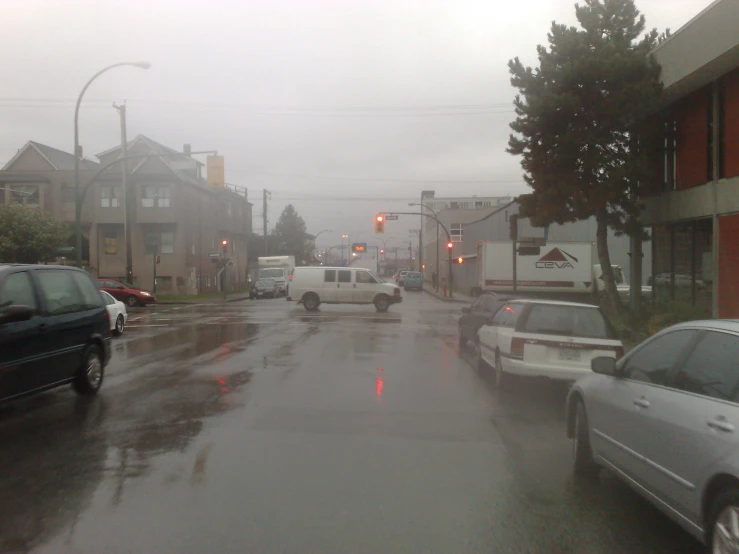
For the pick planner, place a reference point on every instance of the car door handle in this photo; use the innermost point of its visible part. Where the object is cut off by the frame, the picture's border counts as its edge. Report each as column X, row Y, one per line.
column 642, row 402
column 721, row 424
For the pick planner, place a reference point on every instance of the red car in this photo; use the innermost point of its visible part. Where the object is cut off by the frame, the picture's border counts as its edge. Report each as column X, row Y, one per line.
column 126, row 292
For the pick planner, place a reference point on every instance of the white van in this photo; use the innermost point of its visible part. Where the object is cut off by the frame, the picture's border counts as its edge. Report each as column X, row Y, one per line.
column 316, row 285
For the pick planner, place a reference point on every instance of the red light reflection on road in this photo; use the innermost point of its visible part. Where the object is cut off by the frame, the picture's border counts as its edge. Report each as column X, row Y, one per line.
column 378, row 389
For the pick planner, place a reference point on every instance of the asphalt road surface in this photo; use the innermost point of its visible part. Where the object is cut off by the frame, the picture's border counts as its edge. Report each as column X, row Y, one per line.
column 257, row 427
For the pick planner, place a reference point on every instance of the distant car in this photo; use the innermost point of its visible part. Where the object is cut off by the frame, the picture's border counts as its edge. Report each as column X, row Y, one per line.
column 401, row 277
column 665, row 419
column 117, row 312
column 126, row 292
column 543, row 338
column 413, row 281
column 478, row 314
column 54, row 330
column 265, row 288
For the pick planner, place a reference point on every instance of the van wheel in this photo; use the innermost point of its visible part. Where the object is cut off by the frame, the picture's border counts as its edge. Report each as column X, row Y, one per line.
column 90, row 375
column 382, row 303
column 311, row 302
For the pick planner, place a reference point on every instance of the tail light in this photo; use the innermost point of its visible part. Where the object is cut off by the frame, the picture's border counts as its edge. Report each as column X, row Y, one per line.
column 619, row 352
column 397, row 292
column 291, row 276
column 517, row 347
column 107, row 315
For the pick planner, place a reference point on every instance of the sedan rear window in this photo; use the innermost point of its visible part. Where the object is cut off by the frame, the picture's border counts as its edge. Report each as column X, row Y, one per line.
column 568, row 321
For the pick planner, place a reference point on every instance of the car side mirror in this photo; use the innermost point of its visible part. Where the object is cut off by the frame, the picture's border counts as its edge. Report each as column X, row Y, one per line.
column 465, row 310
column 16, row 313
column 604, row 365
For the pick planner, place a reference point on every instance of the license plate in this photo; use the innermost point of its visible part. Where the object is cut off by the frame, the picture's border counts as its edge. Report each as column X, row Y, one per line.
column 569, row 354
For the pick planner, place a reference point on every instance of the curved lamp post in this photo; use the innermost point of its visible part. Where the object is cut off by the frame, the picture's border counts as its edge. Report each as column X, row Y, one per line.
column 316, row 237
column 78, row 209
column 438, row 269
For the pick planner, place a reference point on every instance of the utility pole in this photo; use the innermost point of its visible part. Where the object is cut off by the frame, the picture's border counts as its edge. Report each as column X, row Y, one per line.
column 264, row 210
column 126, row 196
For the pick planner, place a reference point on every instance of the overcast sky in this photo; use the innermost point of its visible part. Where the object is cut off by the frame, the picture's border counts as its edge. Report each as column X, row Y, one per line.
column 316, row 101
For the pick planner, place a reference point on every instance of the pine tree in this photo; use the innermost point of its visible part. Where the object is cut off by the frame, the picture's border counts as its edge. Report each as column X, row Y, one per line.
column 584, row 126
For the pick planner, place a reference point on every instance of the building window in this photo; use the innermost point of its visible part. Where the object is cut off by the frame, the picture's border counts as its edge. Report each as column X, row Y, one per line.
column 27, row 195
column 456, row 232
column 155, row 196
column 67, row 193
column 110, row 242
column 159, row 242
column 110, row 196
column 166, row 244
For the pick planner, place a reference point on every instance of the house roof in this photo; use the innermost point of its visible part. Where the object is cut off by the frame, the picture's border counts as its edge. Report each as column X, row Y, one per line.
column 151, row 145
column 57, row 159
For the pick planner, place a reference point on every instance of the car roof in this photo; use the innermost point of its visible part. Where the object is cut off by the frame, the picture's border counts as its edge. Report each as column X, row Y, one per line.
column 49, row 266
column 721, row 324
column 553, row 302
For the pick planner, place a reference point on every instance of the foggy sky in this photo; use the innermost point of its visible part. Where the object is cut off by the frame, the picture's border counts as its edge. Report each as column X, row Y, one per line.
column 317, row 101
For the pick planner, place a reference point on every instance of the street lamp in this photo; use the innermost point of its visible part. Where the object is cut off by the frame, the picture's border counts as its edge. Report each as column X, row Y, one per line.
column 78, row 208
column 438, row 269
column 316, row 237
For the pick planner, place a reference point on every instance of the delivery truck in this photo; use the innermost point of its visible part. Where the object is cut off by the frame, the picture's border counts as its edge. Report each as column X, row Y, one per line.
column 558, row 268
column 278, row 268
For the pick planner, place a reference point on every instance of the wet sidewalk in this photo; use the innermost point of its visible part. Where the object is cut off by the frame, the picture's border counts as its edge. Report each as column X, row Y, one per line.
column 458, row 297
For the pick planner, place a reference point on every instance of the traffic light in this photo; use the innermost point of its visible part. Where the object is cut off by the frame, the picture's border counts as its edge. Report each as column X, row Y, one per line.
column 224, row 242
column 158, row 259
column 460, row 260
column 450, row 245
column 513, row 222
column 379, row 223
column 423, row 266
column 382, row 250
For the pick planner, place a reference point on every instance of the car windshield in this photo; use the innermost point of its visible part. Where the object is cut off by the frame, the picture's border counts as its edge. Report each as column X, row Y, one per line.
column 272, row 273
column 126, row 284
column 266, row 283
column 568, row 321
column 414, row 275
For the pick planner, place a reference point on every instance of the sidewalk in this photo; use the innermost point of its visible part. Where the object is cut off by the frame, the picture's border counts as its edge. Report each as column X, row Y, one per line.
column 458, row 297
column 235, row 297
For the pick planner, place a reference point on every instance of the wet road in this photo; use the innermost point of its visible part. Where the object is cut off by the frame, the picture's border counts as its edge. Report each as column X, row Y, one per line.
column 256, row 427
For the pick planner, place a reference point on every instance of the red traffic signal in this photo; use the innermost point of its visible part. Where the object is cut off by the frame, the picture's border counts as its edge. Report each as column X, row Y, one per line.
column 224, row 242
column 380, row 223
column 382, row 251
column 450, row 245
column 380, row 218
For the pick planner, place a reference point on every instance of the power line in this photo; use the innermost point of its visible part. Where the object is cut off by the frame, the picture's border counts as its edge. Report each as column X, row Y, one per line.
column 381, row 179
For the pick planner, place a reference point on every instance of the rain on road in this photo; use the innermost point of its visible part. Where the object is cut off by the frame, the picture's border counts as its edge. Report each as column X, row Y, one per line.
column 257, row 427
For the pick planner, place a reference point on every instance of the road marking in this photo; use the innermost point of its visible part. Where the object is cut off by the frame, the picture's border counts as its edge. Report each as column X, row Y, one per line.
column 146, row 325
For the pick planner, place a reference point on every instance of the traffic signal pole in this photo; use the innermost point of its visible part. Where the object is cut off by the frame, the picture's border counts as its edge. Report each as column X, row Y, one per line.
column 448, row 236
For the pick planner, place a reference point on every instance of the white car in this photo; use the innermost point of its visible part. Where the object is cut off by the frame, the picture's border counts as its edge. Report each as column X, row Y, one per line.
column 546, row 338
column 117, row 312
column 316, row 285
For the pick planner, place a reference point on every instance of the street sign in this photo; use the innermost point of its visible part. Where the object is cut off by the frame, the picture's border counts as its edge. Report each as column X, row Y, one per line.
column 359, row 247
column 391, row 218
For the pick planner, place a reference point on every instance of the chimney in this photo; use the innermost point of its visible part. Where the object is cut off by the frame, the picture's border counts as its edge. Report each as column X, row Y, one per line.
column 187, row 149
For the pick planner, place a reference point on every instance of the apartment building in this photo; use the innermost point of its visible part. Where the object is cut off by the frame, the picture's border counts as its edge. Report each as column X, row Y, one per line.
column 454, row 213
column 174, row 214
column 694, row 215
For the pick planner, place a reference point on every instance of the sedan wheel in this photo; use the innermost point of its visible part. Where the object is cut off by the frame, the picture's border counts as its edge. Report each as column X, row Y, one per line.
column 501, row 379
column 582, row 453
column 119, row 325
column 724, row 533
column 132, row 301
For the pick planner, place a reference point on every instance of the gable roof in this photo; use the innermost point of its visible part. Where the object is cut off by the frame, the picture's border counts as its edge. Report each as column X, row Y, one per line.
column 57, row 159
column 151, row 145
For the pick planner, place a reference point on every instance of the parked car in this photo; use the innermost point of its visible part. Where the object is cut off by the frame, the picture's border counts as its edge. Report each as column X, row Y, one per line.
column 546, row 338
column 117, row 313
column 401, row 277
column 265, row 288
column 480, row 312
column 314, row 285
column 665, row 419
column 413, row 281
column 54, row 330
column 126, row 292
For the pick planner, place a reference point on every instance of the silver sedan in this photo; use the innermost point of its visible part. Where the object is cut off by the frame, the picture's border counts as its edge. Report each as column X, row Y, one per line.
column 665, row 419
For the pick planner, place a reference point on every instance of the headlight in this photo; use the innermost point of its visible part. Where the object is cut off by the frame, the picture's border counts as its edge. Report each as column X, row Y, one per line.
column 145, row 293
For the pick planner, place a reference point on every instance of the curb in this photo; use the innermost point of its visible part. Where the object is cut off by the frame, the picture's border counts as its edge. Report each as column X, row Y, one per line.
column 445, row 298
column 193, row 302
